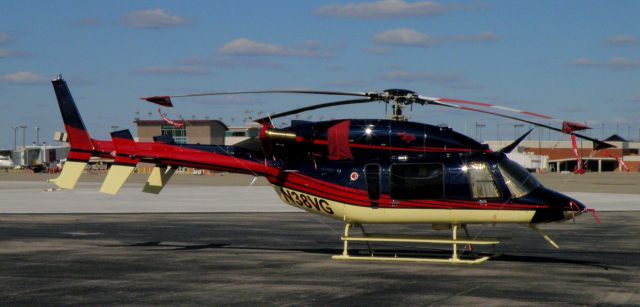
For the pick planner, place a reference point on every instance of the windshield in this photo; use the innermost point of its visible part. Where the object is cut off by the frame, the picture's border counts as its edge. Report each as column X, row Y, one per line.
column 519, row 181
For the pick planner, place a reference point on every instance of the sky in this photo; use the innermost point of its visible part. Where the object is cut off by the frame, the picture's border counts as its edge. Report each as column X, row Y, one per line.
column 574, row 60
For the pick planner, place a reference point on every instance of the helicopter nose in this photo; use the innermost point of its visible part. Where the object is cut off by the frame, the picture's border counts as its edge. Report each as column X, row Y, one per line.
column 574, row 209
column 561, row 207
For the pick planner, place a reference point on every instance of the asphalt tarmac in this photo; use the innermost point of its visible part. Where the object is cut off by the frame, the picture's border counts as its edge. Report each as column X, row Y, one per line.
column 285, row 259
column 228, row 240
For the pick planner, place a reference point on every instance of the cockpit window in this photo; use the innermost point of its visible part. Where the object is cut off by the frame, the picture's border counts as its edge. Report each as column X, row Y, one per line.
column 483, row 185
column 519, row 181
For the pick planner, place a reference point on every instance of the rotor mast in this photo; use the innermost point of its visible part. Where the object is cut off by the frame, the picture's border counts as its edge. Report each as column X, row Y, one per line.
column 397, row 112
column 399, row 98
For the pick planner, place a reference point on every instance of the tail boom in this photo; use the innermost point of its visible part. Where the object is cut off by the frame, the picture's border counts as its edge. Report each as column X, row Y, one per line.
column 127, row 153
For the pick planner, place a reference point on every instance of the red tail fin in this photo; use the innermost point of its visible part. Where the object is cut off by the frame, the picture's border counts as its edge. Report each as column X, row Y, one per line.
column 78, row 136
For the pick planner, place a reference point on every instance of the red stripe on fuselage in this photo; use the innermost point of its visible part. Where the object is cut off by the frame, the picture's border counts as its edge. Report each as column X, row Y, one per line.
column 356, row 197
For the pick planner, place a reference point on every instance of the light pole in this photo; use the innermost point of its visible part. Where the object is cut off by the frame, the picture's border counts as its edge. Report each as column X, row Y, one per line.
column 479, row 127
column 15, row 137
column 24, row 129
column 516, row 130
column 37, row 135
column 540, row 145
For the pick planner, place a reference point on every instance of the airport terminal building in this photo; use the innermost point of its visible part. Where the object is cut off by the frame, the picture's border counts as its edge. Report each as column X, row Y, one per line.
column 204, row 132
column 558, row 156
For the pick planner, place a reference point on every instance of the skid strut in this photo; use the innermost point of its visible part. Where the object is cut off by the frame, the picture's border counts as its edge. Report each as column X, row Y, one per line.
column 454, row 241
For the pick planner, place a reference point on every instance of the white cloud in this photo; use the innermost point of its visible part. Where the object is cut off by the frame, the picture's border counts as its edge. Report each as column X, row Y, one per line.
column 4, row 38
column 411, row 37
column 622, row 63
column 621, row 40
column 481, row 37
column 153, row 19
column 635, row 98
column 377, row 50
column 22, row 77
column 246, row 47
column 390, row 9
column 5, row 53
column 173, row 70
column 404, row 37
column 581, row 62
column 617, row 63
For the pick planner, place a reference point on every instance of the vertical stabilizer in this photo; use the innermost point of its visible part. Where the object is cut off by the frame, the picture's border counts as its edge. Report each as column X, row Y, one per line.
column 78, row 136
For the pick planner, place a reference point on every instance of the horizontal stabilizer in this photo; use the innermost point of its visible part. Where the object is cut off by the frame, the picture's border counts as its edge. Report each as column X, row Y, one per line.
column 116, row 178
column 166, row 139
column 70, row 174
column 159, row 177
column 122, row 134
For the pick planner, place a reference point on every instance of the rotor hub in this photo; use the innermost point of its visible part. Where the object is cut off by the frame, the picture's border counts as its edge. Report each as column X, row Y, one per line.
column 399, row 98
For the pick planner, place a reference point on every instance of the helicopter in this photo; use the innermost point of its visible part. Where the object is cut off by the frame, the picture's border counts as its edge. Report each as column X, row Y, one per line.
column 358, row 171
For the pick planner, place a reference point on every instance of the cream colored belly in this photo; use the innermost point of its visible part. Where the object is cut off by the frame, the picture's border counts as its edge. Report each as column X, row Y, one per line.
column 367, row 215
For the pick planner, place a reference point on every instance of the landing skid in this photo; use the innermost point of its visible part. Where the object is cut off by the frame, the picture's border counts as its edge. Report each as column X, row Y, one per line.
column 454, row 241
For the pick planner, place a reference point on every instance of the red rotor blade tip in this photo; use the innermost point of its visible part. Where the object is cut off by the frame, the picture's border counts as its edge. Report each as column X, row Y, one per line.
column 164, row 101
column 569, row 127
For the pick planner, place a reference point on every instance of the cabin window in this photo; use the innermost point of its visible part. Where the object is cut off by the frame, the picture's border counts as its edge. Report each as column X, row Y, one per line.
column 372, row 176
column 519, row 181
column 417, row 181
column 483, row 185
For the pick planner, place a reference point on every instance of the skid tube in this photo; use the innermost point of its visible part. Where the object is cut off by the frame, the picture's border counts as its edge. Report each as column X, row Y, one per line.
column 454, row 241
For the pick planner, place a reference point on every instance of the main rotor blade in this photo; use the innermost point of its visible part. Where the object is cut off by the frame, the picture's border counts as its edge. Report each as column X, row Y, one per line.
column 597, row 144
column 166, row 100
column 489, row 105
column 314, row 107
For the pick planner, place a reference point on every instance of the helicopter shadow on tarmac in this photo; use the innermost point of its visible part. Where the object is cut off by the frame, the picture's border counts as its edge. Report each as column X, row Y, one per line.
column 500, row 256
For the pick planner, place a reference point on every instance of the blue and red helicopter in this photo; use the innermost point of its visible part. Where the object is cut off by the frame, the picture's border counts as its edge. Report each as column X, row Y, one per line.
column 359, row 171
